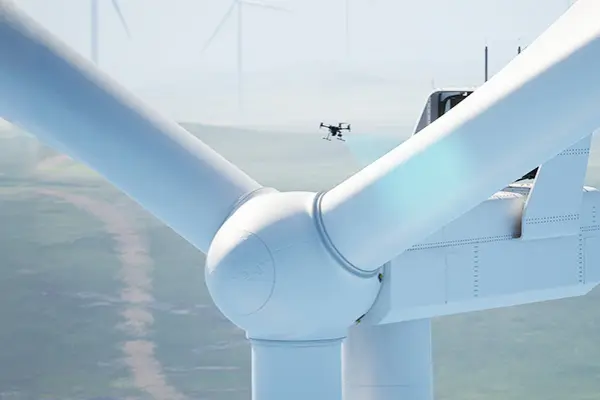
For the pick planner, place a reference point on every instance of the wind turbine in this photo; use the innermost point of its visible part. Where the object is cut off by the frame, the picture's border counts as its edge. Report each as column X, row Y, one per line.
column 347, row 25
column 419, row 233
column 95, row 26
column 239, row 4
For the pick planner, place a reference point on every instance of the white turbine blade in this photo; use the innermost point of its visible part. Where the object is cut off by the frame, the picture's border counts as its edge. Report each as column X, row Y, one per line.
column 220, row 26
column 265, row 5
column 542, row 102
column 50, row 91
column 117, row 8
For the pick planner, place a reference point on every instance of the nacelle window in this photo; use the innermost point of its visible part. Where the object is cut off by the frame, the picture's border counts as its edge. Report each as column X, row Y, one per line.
column 438, row 104
column 448, row 102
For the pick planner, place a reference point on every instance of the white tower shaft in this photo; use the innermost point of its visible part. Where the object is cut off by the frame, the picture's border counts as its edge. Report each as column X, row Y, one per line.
column 392, row 361
column 296, row 370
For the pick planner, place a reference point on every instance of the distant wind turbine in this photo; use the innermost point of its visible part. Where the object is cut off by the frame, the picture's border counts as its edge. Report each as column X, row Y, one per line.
column 239, row 4
column 347, row 27
column 95, row 26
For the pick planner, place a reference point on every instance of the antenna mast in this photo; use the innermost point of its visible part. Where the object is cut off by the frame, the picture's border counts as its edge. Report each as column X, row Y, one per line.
column 486, row 63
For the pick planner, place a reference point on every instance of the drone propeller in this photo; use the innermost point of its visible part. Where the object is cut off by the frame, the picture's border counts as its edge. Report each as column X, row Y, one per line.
column 265, row 248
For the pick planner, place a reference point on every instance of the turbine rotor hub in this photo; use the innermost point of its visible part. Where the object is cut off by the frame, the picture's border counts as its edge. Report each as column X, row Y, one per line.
column 269, row 272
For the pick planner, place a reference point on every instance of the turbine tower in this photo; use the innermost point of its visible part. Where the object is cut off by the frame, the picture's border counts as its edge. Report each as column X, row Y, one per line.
column 239, row 4
column 95, row 26
column 369, row 262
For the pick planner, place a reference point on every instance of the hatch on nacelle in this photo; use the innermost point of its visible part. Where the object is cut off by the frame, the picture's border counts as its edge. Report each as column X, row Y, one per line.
column 439, row 103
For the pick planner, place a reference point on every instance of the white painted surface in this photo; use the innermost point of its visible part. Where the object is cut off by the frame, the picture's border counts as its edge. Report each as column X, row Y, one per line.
column 82, row 112
column 387, row 362
column 509, row 125
column 295, row 270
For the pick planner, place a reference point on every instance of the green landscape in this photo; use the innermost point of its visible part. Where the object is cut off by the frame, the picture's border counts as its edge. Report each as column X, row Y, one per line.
column 99, row 300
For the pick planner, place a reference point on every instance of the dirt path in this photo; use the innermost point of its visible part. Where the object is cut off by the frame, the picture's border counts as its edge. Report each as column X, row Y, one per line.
column 136, row 268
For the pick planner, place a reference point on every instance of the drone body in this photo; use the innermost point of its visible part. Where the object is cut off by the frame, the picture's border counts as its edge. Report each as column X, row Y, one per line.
column 434, row 217
column 335, row 130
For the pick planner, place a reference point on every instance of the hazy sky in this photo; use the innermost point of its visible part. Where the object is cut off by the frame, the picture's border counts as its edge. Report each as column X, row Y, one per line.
column 295, row 62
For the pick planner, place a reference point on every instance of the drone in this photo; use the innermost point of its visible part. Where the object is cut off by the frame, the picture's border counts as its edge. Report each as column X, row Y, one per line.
column 335, row 131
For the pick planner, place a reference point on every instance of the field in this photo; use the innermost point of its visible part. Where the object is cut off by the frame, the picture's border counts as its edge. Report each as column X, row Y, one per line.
column 100, row 300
